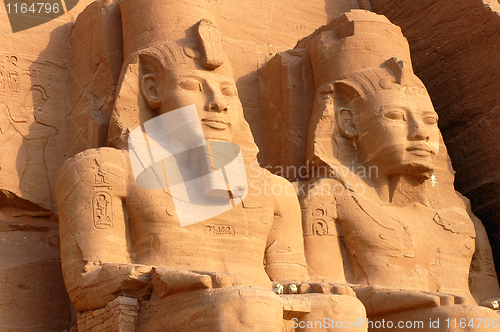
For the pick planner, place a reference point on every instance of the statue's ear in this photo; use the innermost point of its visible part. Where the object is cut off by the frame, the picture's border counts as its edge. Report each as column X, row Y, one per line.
column 333, row 110
column 346, row 123
column 345, row 93
column 149, row 91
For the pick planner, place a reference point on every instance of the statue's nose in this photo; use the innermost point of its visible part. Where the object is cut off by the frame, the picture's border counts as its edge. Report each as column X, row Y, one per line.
column 217, row 103
column 419, row 132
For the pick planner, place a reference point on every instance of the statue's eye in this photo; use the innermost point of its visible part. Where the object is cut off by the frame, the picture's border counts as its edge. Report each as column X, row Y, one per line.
column 228, row 91
column 190, row 84
column 430, row 120
column 395, row 114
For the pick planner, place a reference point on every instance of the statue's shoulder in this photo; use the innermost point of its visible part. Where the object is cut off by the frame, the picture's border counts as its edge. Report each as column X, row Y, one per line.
column 320, row 189
column 94, row 169
column 276, row 179
column 101, row 157
column 318, row 202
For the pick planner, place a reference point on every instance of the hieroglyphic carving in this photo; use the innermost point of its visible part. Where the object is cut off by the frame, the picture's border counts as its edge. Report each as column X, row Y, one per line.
column 318, row 218
column 13, row 79
column 220, row 229
column 9, row 76
column 31, row 108
column 102, row 210
column 102, row 200
column 320, row 228
column 31, row 118
column 100, row 180
column 34, row 122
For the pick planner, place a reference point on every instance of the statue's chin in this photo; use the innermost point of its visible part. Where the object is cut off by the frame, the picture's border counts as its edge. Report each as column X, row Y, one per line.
column 420, row 171
column 218, row 135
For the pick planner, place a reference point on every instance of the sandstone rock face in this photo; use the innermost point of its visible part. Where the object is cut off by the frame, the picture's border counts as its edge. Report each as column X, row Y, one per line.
column 96, row 56
column 456, row 56
column 176, row 213
column 94, row 81
column 33, row 106
column 379, row 197
column 57, row 86
column 32, row 288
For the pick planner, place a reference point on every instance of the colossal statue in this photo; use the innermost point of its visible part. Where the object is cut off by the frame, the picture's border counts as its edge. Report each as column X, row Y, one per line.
column 381, row 213
column 175, row 217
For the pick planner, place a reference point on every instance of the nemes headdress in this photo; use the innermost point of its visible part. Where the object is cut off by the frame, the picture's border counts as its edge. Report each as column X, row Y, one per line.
column 172, row 33
column 159, row 35
column 364, row 52
column 362, row 49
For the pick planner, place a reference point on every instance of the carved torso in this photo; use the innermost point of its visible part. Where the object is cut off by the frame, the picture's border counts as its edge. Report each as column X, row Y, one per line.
column 141, row 225
column 412, row 247
column 231, row 242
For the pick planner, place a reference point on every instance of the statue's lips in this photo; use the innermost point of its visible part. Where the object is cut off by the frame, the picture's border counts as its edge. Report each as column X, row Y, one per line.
column 216, row 123
column 420, row 150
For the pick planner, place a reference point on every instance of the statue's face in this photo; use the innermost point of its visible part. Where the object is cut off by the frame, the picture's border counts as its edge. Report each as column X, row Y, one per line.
column 398, row 131
column 214, row 94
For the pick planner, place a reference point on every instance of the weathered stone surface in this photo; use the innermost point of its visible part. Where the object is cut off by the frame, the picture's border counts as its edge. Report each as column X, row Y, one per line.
column 32, row 292
column 58, row 86
column 380, row 199
column 198, row 231
column 33, row 106
column 73, row 80
column 455, row 47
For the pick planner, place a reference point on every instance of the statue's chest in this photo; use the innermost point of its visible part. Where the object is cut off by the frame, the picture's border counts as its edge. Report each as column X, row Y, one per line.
column 155, row 211
column 411, row 231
